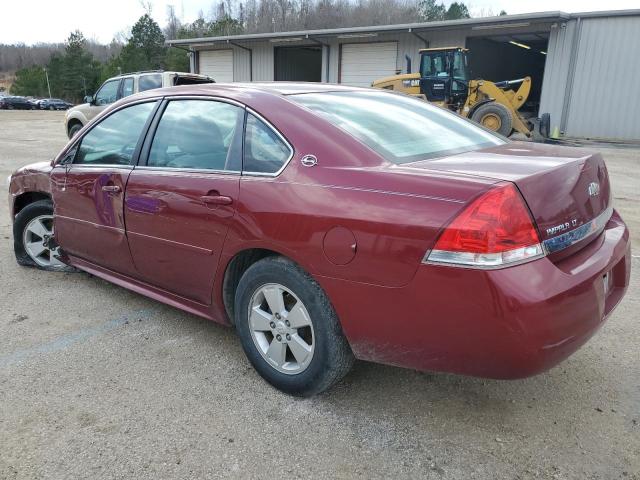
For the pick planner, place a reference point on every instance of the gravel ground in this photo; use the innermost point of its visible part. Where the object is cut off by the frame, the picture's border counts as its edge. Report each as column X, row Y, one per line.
column 98, row 382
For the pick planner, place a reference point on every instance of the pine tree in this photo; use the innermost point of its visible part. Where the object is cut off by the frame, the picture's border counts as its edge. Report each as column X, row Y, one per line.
column 145, row 49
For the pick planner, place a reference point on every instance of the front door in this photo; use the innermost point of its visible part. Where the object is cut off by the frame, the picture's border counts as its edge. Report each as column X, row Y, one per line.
column 88, row 189
column 180, row 200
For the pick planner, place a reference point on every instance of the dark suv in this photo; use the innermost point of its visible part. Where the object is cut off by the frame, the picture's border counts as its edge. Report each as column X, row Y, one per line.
column 53, row 104
column 16, row 103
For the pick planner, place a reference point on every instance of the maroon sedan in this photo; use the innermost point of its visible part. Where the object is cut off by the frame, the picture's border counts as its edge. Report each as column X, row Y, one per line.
column 329, row 223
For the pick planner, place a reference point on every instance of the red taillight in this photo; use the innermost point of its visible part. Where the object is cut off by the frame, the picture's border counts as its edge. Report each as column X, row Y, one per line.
column 495, row 230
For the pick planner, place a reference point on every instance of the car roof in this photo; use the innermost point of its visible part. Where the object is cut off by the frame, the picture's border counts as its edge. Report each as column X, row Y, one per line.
column 268, row 88
column 157, row 72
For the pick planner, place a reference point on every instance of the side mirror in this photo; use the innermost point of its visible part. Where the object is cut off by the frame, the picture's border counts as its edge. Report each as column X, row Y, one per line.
column 88, row 99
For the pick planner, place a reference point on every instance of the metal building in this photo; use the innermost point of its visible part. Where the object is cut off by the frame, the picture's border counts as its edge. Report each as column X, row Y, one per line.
column 584, row 66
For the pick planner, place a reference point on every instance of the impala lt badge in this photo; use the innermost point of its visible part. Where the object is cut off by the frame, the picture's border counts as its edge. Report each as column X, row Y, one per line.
column 594, row 189
column 558, row 228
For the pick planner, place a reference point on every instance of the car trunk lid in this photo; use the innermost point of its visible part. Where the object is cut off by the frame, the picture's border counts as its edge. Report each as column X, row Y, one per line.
column 566, row 189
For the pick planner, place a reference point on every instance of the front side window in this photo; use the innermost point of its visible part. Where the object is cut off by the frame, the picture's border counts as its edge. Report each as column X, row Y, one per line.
column 149, row 82
column 435, row 65
column 264, row 150
column 197, row 134
column 114, row 139
column 127, row 87
column 400, row 128
column 108, row 93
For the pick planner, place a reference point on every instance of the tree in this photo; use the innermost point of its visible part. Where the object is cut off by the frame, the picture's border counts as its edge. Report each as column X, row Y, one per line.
column 80, row 73
column 457, row 10
column 145, row 49
column 173, row 23
column 430, row 11
column 73, row 73
column 177, row 60
column 30, row 81
column 502, row 12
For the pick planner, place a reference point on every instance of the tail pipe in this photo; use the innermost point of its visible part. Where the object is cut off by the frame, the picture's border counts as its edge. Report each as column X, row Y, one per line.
column 408, row 59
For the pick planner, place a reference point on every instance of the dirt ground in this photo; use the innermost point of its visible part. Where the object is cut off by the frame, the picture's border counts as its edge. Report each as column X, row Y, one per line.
column 98, row 382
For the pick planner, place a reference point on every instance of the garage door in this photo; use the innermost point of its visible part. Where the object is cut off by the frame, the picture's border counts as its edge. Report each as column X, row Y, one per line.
column 362, row 63
column 218, row 64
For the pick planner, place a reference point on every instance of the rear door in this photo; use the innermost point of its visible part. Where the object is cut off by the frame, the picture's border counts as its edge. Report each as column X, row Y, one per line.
column 127, row 87
column 88, row 188
column 181, row 199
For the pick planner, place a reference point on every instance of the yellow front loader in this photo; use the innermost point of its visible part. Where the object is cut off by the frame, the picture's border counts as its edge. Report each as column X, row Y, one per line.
column 444, row 80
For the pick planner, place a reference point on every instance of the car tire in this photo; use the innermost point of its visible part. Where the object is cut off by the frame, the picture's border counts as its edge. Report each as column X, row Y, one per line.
column 52, row 107
column 31, row 225
column 495, row 117
column 75, row 128
column 317, row 355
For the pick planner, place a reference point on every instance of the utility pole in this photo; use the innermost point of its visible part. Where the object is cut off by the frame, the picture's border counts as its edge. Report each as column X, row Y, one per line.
column 48, row 86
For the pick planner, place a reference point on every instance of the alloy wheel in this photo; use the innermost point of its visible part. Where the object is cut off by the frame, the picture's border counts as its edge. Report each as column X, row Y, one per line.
column 38, row 242
column 281, row 328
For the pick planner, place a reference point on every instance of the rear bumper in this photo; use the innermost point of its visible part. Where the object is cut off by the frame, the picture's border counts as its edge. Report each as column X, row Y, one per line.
column 507, row 323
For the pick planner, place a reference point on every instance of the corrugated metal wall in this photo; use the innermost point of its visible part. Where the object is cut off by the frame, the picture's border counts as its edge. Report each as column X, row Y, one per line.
column 604, row 98
column 556, row 71
column 591, row 70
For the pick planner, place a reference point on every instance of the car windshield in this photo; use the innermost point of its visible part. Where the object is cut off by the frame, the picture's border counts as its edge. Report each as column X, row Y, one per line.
column 400, row 128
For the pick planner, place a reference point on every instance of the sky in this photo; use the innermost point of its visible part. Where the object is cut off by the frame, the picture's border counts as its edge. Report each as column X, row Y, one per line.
column 32, row 21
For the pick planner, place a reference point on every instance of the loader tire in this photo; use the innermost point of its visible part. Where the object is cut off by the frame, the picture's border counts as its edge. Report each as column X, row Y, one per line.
column 494, row 116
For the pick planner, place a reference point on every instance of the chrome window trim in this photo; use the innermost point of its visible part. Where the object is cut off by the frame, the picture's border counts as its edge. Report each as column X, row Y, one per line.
column 74, row 166
column 280, row 136
column 570, row 238
column 216, row 98
column 187, row 170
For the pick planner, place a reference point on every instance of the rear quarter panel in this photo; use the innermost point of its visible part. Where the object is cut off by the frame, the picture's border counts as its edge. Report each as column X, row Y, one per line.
column 393, row 212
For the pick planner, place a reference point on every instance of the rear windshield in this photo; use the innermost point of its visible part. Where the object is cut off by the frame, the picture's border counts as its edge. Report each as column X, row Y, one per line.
column 400, row 128
column 191, row 80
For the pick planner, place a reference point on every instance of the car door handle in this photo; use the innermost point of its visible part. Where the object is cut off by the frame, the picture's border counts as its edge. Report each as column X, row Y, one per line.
column 111, row 188
column 216, row 200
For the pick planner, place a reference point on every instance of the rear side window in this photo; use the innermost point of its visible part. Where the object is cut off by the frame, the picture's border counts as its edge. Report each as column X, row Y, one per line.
column 114, row 139
column 264, row 150
column 149, row 82
column 197, row 134
column 400, row 128
column 127, row 87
